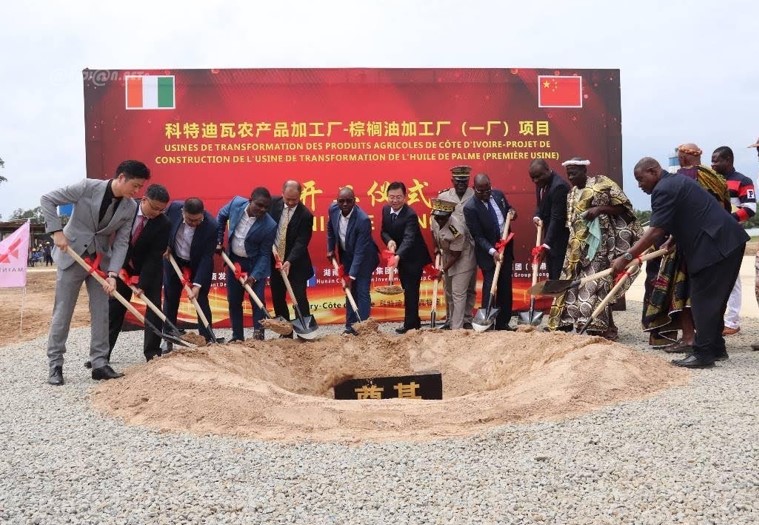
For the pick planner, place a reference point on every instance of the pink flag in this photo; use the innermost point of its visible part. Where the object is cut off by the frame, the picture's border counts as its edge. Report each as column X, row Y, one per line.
column 14, row 252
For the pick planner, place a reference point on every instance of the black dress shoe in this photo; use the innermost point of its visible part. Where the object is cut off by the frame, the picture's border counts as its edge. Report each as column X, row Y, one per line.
column 287, row 336
column 56, row 376
column 447, row 326
column 235, row 340
column 693, row 361
column 105, row 372
column 467, row 326
column 402, row 330
column 87, row 365
column 349, row 331
column 722, row 356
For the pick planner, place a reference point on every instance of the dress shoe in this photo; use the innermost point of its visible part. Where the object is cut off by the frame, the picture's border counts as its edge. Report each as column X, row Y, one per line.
column 693, row 361
column 287, row 336
column 87, row 365
column 755, row 347
column 235, row 340
column 731, row 331
column 105, row 372
column 259, row 335
column 56, row 376
column 403, row 329
column 722, row 356
column 446, row 326
column 467, row 326
column 349, row 331
column 166, row 347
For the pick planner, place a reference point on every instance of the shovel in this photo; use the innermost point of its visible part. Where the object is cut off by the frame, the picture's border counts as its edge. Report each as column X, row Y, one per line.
column 485, row 317
column 173, row 330
column 532, row 317
column 630, row 272
column 347, row 290
column 120, row 298
column 433, row 311
column 559, row 286
column 278, row 324
column 305, row 327
column 194, row 301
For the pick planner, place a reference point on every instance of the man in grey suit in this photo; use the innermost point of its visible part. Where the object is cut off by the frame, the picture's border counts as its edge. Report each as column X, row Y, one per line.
column 99, row 227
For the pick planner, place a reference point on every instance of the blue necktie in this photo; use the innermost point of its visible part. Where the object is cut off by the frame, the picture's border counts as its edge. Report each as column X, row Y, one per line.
column 494, row 217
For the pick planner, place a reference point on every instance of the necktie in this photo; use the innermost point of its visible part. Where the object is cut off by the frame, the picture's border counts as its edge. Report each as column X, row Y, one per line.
column 393, row 216
column 284, row 221
column 141, row 220
column 494, row 217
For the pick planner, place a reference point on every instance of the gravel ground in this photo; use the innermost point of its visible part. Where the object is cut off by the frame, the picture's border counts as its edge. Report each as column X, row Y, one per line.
column 688, row 455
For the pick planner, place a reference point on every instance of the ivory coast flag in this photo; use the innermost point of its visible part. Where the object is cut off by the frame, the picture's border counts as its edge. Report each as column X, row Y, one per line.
column 149, row 91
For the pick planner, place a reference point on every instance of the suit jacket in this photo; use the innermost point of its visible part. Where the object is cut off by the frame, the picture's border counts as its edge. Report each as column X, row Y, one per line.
column 82, row 229
column 702, row 228
column 145, row 257
column 297, row 237
column 361, row 255
column 405, row 231
column 258, row 241
column 203, row 243
column 484, row 231
column 552, row 210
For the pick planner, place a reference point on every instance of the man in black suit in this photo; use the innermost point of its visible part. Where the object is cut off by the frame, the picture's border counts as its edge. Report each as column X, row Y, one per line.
column 485, row 217
column 295, row 224
column 551, row 195
column 712, row 243
column 402, row 235
column 147, row 244
column 192, row 241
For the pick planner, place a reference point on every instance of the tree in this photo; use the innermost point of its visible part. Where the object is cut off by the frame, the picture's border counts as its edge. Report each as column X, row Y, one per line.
column 643, row 216
column 35, row 214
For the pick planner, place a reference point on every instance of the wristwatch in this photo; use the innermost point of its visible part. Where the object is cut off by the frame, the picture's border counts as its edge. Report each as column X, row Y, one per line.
column 627, row 256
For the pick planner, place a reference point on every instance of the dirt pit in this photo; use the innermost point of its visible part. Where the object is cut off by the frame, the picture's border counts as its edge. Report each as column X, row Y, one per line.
column 282, row 389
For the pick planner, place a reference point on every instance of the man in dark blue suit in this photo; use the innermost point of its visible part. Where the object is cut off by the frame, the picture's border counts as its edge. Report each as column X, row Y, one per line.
column 192, row 238
column 712, row 243
column 485, row 216
column 349, row 235
column 551, row 195
column 402, row 235
column 249, row 241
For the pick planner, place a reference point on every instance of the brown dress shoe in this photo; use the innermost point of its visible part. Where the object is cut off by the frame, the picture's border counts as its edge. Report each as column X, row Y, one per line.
column 730, row 331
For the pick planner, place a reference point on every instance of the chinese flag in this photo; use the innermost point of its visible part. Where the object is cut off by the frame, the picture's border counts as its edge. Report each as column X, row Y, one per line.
column 559, row 92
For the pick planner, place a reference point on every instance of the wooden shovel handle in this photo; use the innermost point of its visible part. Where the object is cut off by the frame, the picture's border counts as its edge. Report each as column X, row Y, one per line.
column 434, row 284
column 285, row 278
column 620, row 283
column 506, row 226
column 120, row 298
column 609, row 271
column 187, row 289
column 245, row 285
column 347, row 289
column 538, row 243
column 150, row 304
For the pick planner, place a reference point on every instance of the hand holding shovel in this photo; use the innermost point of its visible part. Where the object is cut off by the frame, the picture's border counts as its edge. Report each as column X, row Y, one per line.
column 629, row 274
column 120, row 298
column 305, row 327
column 533, row 317
column 391, row 288
column 279, row 324
column 347, row 289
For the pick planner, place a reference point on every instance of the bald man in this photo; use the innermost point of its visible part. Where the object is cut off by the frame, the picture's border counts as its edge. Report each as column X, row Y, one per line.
column 551, row 195
column 712, row 244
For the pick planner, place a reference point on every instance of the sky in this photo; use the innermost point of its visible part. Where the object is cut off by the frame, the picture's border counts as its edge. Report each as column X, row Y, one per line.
column 688, row 69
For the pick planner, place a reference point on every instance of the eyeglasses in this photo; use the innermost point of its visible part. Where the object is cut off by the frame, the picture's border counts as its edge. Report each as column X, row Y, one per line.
column 190, row 220
column 158, row 208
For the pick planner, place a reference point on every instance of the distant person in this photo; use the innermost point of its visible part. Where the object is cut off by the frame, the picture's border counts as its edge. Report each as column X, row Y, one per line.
column 551, row 194
column 402, row 235
column 148, row 239
column 192, row 241
column 349, row 237
column 712, row 244
column 250, row 238
column 295, row 226
column 99, row 226
column 743, row 203
column 47, row 253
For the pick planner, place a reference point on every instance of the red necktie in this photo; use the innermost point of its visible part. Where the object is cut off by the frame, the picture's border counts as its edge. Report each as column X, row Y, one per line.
column 141, row 220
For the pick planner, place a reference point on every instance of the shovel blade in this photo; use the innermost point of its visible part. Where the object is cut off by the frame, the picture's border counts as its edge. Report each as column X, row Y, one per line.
column 306, row 327
column 484, row 318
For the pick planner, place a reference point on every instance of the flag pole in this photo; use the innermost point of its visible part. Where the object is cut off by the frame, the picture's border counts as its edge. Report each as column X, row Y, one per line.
column 21, row 322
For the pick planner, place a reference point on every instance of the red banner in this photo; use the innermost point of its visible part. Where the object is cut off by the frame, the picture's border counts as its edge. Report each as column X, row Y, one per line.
column 219, row 133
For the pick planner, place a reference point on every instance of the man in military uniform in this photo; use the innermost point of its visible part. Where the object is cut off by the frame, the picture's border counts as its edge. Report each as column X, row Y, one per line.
column 459, row 267
column 459, row 194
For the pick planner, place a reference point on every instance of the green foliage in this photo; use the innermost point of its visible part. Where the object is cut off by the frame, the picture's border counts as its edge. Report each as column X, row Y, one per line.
column 35, row 215
column 643, row 216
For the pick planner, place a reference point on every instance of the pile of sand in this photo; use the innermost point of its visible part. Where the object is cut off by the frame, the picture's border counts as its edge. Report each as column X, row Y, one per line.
column 282, row 389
